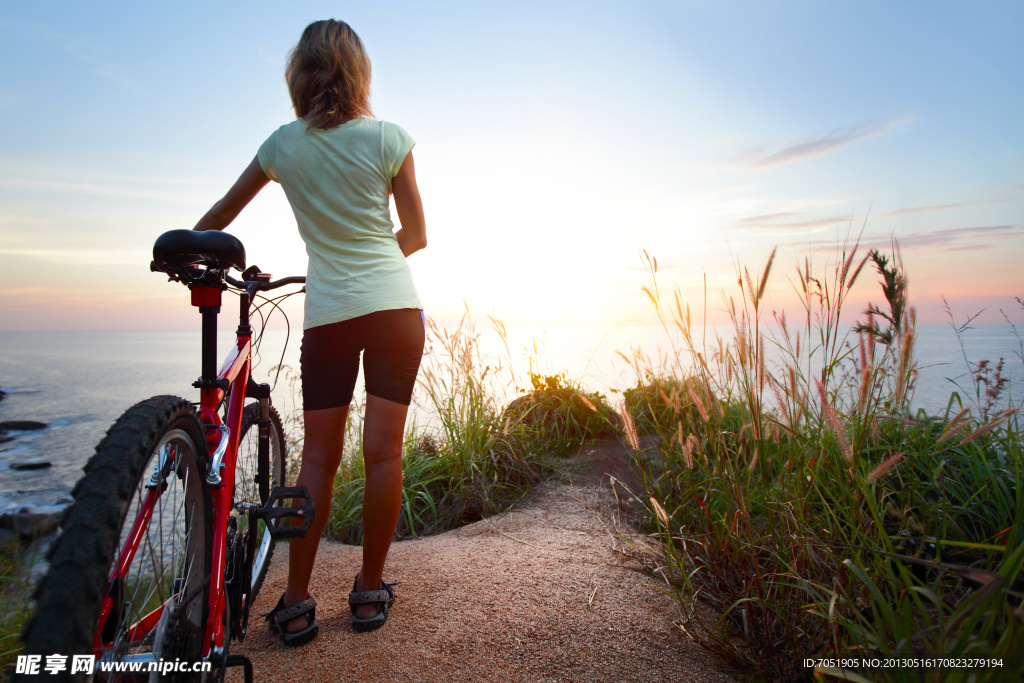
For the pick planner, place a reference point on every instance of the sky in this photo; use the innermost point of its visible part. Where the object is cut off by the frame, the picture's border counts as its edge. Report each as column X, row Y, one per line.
column 556, row 143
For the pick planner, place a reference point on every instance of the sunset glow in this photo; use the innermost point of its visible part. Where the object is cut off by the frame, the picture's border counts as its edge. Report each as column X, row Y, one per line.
column 555, row 143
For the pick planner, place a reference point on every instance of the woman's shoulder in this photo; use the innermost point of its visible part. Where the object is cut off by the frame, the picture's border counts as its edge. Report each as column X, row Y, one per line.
column 375, row 132
column 365, row 124
column 394, row 134
column 385, row 133
column 287, row 129
column 390, row 126
column 368, row 123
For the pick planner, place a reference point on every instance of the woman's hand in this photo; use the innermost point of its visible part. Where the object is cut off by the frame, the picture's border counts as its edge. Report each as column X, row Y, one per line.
column 248, row 185
column 412, row 236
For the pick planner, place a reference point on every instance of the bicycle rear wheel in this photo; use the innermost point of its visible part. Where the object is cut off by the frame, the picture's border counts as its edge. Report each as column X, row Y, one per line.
column 248, row 473
column 139, row 600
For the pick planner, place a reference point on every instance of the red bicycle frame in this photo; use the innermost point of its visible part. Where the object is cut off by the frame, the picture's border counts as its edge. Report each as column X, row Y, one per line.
column 235, row 372
column 232, row 381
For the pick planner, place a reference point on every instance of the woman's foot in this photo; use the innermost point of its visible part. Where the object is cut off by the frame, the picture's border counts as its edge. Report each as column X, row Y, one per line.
column 284, row 618
column 299, row 623
column 370, row 606
column 369, row 610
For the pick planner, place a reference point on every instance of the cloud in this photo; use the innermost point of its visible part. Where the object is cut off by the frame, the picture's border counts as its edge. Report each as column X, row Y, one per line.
column 925, row 209
column 18, row 220
column 787, row 222
column 89, row 188
column 969, row 247
column 82, row 50
column 105, row 69
column 767, row 217
column 97, row 257
column 941, row 207
column 953, row 239
column 821, row 145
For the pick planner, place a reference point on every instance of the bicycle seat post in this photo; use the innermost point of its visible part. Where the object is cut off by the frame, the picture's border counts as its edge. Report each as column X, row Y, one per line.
column 207, row 299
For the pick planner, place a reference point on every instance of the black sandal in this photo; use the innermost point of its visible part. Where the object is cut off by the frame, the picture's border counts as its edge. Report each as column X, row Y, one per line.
column 384, row 596
column 281, row 615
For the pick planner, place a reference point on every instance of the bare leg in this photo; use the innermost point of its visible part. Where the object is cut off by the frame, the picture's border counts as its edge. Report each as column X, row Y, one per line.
column 321, row 455
column 383, row 436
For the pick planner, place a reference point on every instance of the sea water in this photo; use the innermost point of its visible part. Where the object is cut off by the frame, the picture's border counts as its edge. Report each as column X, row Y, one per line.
column 78, row 383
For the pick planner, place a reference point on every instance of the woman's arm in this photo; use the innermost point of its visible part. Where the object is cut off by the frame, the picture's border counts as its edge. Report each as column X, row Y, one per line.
column 412, row 236
column 248, row 185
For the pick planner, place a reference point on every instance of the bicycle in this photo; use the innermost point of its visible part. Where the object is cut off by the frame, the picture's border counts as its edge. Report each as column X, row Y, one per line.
column 174, row 523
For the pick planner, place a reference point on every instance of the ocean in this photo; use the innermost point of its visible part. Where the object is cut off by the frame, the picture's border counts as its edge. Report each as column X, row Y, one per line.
column 78, row 383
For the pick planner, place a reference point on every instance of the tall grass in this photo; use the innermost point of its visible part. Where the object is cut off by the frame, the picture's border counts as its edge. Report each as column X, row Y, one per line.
column 474, row 457
column 796, row 494
column 466, row 455
column 14, row 603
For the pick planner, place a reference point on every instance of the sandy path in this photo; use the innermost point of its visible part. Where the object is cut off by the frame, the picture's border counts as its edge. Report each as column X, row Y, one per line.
column 537, row 594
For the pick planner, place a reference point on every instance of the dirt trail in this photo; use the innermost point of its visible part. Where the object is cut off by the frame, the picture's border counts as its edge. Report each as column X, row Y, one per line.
column 537, row 594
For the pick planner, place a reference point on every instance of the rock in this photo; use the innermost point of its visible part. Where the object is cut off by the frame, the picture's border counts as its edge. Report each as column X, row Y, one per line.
column 31, row 465
column 48, row 509
column 30, row 525
column 6, row 536
column 22, row 425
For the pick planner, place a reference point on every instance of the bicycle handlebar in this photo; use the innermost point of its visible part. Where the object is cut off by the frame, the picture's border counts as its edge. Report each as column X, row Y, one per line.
column 253, row 286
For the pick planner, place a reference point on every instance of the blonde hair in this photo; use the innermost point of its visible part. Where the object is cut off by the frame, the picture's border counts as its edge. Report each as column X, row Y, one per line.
column 328, row 75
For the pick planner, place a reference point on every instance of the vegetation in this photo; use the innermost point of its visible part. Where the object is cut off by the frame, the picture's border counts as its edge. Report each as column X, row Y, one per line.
column 14, row 602
column 476, row 458
column 477, row 461
column 560, row 415
column 796, row 494
column 790, row 485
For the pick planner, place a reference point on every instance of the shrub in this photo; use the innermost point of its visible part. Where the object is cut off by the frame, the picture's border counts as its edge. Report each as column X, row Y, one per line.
column 560, row 414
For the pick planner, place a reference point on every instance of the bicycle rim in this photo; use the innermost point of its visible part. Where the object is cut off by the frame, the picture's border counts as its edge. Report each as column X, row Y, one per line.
column 160, row 601
column 247, row 469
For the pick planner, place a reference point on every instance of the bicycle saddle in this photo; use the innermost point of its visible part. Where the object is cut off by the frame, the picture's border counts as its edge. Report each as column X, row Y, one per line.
column 176, row 249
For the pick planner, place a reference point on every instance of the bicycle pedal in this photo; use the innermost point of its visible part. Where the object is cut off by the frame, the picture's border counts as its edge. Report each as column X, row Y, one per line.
column 279, row 516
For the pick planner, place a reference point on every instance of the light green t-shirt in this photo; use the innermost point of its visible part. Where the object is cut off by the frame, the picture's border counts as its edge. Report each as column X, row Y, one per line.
column 338, row 182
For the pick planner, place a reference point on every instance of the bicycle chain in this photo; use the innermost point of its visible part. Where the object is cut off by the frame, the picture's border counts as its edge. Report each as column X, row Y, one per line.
column 238, row 578
column 232, row 585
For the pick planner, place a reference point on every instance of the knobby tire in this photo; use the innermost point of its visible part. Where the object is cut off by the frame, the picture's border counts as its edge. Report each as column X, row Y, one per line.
column 173, row 557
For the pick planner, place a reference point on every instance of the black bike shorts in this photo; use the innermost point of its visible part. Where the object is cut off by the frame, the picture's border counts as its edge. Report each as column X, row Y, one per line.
column 392, row 346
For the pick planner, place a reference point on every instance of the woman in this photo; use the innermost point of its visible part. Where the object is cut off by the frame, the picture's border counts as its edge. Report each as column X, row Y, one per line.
column 337, row 167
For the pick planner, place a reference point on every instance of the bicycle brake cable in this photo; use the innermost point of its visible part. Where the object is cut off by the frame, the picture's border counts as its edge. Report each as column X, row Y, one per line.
column 288, row 327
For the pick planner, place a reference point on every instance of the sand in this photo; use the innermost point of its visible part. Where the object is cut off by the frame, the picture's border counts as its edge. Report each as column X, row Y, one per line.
column 540, row 593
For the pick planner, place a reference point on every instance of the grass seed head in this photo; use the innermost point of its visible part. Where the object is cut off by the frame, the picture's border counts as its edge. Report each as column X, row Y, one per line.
column 630, row 428
column 832, row 419
column 700, row 404
column 587, row 402
column 884, row 467
column 659, row 511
